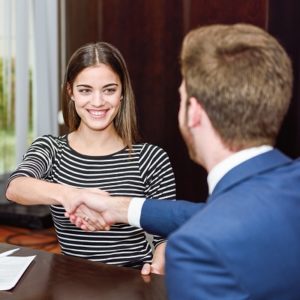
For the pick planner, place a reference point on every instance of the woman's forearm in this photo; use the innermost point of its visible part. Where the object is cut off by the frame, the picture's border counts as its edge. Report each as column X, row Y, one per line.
column 32, row 191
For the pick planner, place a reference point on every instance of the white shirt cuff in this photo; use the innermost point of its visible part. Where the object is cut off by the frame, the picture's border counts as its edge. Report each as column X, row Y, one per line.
column 134, row 211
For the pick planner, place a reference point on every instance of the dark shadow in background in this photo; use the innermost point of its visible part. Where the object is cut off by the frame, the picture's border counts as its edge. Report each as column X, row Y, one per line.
column 284, row 24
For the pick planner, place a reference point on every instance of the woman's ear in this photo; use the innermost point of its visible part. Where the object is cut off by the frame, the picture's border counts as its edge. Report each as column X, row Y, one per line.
column 69, row 90
column 194, row 113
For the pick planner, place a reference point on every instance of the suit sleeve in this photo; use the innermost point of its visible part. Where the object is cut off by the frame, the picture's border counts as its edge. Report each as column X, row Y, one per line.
column 163, row 217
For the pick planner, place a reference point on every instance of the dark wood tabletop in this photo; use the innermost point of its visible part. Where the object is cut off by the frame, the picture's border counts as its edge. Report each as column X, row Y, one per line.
column 59, row 277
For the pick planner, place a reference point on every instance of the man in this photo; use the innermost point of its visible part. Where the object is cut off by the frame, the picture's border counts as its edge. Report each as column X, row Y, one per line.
column 244, row 243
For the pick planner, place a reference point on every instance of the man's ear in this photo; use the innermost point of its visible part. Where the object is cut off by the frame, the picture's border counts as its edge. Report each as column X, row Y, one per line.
column 194, row 113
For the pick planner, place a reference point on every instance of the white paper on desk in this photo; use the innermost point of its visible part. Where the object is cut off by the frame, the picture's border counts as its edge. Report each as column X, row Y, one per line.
column 11, row 270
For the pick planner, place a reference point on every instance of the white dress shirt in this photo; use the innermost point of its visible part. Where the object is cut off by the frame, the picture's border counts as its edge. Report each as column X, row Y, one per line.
column 214, row 176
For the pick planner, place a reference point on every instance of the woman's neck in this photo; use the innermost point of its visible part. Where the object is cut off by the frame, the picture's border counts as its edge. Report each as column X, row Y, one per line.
column 95, row 143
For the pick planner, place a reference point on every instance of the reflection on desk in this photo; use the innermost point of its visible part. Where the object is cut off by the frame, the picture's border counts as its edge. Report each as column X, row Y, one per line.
column 59, row 277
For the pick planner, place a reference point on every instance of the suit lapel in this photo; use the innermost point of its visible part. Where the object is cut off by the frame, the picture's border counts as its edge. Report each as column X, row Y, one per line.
column 256, row 165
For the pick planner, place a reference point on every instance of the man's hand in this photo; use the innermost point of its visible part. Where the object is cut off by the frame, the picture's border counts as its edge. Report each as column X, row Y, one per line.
column 107, row 210
column 74, row 197
column 73, row 201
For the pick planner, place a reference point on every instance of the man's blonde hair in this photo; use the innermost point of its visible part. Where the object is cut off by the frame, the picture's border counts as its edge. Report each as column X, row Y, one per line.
column 242, row 77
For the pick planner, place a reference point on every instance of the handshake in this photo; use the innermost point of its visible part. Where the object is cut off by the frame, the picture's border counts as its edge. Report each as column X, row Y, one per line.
column 94, row 209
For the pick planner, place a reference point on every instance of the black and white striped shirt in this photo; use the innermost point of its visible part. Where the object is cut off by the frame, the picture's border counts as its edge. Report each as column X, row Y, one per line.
column 146, row 172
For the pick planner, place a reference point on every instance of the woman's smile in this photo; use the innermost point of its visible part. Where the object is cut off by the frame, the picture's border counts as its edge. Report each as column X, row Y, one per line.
column 98, row 114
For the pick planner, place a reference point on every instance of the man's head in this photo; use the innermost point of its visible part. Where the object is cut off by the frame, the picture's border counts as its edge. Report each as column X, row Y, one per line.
column 242, row 77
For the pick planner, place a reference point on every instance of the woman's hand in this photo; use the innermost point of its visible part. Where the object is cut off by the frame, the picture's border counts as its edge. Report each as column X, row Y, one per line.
column 88, row 219
column 80, row 214
column 158, row 262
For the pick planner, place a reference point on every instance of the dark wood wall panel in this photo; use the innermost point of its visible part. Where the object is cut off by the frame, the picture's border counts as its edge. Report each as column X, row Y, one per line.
column 149, row 34
column 150, row 44
column 203, row 12
column 284, row 21
column 83, row 23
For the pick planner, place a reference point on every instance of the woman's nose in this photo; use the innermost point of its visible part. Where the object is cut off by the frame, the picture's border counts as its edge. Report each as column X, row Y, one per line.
column 98, row 99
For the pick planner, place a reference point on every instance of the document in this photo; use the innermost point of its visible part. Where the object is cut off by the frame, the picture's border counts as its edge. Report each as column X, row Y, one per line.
column 11, row 270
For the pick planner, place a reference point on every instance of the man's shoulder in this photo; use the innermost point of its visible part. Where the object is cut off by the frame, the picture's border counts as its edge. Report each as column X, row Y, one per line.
column 257, row 202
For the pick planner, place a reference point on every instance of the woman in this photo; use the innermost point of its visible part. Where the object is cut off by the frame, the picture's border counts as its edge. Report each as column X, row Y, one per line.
column 100, row 152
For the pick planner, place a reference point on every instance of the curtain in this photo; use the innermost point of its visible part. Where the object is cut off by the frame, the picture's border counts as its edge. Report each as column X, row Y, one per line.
column 45, row 29
column 22, row 76
column 29, row 55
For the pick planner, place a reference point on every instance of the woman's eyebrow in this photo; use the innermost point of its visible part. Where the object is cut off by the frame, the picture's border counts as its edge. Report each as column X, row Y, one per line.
column 83, row 85
column 110, row 84
column 88, row 86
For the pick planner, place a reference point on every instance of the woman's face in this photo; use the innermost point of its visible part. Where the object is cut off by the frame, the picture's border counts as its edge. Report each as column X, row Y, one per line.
column 97, row 94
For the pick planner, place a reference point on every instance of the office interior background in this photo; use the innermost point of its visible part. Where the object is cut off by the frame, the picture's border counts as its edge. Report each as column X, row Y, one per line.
column 37, row 37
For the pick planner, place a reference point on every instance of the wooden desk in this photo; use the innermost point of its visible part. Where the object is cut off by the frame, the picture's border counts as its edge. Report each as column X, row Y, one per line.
column 58, row 277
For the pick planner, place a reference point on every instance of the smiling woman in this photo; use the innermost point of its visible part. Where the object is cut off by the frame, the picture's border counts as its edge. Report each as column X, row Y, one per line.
column 96, row 93
column 101, row 151
column 94, row 70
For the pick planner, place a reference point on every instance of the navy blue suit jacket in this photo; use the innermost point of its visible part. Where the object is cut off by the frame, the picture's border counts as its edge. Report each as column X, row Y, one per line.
column 244, row 243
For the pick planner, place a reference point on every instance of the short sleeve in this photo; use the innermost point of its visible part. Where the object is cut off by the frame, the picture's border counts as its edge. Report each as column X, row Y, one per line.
column 158, row 176
column 37, row 161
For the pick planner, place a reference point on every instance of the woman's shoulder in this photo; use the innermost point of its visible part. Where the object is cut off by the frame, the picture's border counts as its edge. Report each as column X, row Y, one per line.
column 148, row 148
column 50, row 140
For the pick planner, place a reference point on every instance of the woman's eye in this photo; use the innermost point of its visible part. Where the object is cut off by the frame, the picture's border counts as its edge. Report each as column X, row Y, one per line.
column 109, row 91
column 84, row 91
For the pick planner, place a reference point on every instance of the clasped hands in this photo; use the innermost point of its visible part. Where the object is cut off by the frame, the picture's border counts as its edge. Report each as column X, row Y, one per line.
column 94, row 210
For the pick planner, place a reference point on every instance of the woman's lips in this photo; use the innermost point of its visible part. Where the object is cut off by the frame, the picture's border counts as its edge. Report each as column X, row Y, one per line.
column 97, row 113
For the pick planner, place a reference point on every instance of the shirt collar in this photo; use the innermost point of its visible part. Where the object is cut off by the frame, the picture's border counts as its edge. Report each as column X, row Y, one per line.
column 218, row 171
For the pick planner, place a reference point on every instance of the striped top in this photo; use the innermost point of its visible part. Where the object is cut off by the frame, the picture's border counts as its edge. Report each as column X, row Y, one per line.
column 146, row 172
